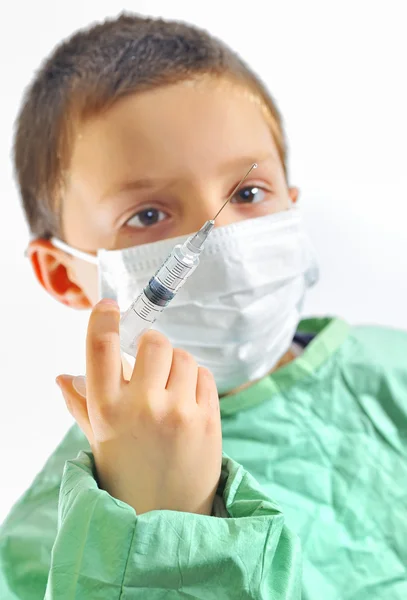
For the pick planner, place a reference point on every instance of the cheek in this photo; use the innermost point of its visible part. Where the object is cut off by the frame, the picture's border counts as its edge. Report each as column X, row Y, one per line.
column 85, row 276
column 281, row 198
column 277, row 203
column 284, row 201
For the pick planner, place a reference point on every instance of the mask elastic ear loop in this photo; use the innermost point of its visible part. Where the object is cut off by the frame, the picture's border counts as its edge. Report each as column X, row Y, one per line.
column 74, row 252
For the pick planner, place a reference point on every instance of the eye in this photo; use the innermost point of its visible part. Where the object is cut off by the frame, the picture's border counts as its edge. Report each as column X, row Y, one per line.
column 249, row 195
column 146, row 218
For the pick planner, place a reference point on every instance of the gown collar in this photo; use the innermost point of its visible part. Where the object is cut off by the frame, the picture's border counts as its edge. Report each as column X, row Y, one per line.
column 329, row 333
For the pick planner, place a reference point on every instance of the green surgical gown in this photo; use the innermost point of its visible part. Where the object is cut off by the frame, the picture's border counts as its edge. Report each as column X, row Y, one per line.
column 316, row 452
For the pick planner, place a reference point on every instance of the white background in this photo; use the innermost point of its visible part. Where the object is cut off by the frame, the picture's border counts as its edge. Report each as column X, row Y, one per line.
column 338, row 73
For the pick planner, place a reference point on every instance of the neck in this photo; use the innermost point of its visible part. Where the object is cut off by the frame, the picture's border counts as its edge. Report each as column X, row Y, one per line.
column 284, row 360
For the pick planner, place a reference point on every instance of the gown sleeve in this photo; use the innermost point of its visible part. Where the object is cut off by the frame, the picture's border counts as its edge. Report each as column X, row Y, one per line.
column 104, row 550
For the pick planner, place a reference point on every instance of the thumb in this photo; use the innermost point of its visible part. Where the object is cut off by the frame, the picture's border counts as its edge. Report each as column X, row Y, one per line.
column 75, row 403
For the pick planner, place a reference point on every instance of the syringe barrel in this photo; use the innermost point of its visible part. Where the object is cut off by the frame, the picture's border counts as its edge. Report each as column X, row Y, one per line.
column 137, row 320
column 177, row 267
column 157, row 294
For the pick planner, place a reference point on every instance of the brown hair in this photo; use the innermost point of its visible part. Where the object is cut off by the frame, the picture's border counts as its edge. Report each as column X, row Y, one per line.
column 91, row 70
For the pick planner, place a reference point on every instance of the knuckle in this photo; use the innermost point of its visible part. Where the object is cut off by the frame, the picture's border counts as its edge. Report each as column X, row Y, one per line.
column 103, row 343
column 179, row 418
column 150, row 411
column 207, row 381
column 206, row 375
column 185, row 358
column 107, row 412
column 157, row 340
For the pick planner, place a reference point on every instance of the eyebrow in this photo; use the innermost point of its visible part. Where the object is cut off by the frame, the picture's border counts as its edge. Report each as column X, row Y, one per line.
column 134, row 185
column 245, row 162
column 146, row 183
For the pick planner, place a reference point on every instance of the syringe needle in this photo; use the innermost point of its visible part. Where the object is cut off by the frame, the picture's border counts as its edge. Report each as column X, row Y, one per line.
column 196, row 241
column 254, row 166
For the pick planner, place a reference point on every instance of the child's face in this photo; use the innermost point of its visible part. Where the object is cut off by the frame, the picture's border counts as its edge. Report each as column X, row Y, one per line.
column 157, row 165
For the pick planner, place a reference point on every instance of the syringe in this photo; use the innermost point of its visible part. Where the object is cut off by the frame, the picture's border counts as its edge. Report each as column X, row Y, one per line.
column 164, row 285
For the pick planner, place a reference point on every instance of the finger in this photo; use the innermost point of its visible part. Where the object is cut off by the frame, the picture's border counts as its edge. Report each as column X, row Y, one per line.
column 153, row 363
column 76, row 405
column 206, row 390
column 103, row 358
column 183, row 377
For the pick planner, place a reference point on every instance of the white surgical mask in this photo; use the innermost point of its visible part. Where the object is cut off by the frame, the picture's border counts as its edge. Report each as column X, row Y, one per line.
column 238, row 312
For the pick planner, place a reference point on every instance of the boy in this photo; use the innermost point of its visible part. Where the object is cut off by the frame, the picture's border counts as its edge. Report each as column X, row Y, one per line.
column 133, row 133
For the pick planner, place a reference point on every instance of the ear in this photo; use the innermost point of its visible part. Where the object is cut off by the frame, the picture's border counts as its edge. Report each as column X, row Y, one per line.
column 294, row 193
column 53, row 269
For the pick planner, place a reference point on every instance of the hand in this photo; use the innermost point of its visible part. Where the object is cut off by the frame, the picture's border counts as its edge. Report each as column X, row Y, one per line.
column 156, row 439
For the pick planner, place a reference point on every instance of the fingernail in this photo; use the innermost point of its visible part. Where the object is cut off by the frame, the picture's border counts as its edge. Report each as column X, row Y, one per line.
column 60, row 379
column 79, row 384
column 108, row 301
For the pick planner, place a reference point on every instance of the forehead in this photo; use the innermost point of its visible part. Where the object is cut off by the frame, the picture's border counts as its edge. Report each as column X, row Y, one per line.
column 188, row 127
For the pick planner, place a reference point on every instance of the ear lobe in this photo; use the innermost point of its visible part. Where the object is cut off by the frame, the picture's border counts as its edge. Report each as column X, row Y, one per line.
column 294, row 193
column 52, row 268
